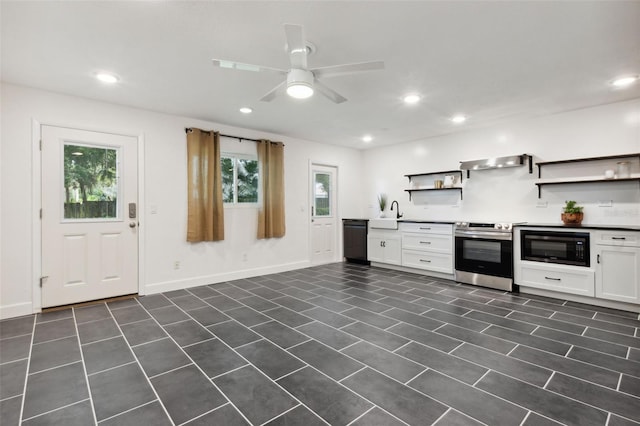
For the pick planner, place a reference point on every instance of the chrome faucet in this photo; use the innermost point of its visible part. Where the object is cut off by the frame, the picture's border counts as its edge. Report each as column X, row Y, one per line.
column 398, row 215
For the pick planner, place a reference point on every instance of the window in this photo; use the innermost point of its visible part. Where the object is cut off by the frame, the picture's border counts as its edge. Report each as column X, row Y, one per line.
column 240, row 179
column 90, row 182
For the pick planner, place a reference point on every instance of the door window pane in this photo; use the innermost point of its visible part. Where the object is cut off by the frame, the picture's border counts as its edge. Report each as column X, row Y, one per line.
column 322, row 194
column 90, row 182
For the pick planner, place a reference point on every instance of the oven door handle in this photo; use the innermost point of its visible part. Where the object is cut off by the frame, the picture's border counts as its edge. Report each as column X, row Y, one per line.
column 486, row 235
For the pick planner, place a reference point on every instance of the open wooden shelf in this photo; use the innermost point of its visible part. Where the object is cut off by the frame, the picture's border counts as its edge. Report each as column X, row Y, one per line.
column 540, row 184
column 456, row 188
column 458, row 172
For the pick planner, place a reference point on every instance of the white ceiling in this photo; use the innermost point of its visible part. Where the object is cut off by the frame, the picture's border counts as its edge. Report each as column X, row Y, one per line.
column 493, row 61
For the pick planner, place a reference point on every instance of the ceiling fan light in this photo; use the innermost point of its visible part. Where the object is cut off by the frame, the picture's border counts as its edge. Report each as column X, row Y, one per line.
column 299, row 90
column 300, row 83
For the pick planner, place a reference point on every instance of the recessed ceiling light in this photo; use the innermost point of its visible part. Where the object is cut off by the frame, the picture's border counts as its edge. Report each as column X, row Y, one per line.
column 367, row 138
column 411, row 99
column 624, row 81
column 106, row 77
column 246, row 110
column 458, row 119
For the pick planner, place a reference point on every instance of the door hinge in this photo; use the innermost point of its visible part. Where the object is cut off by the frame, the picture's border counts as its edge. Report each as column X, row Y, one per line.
column 40, row 144
column 42, row 279
column 40, row 213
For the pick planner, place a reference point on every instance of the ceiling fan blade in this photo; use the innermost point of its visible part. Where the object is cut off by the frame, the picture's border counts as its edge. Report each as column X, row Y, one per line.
column 268, row 97
column 223, row 63
column 296, row 45
column 328, row 92
column 348, row 68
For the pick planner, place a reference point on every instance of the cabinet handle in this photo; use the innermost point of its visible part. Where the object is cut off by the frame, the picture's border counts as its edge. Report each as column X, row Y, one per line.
column 553, row 279
column 383, row 243
column 618, row 238
column 426, row 229
column 598, row 258
column 425, row 242
column 425, row 261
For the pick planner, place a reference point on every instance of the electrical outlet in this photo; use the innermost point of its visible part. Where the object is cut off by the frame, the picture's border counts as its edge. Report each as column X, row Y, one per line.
column 244, row 257
column 542, row 204
column 608, row 203
column 176, row 264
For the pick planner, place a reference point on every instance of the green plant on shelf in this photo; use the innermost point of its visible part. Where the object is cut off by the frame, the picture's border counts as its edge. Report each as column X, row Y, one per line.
column 571, row 207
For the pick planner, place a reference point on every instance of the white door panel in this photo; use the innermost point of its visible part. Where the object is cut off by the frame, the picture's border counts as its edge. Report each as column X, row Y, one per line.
column 323, row 214
column 89, row 242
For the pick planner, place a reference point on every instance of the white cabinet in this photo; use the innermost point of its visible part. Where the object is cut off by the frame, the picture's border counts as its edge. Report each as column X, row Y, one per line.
column 547, row 276
column 618, row 266
column 384, row 246
column 427, row 246
column 570, row 279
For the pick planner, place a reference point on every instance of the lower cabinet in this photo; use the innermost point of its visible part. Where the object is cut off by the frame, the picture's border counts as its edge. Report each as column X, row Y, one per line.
column 431, row 261
column 428, row 246
column 384, row 247
column 618, row 266
column 567, row 279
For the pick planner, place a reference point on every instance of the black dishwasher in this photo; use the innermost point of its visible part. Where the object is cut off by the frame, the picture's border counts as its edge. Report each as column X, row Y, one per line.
column 355, row 240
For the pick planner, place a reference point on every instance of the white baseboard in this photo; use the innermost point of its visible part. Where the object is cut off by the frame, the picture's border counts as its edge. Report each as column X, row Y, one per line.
column 433, row 274
column 16, row 310
column 623, row 306
column 218, row 278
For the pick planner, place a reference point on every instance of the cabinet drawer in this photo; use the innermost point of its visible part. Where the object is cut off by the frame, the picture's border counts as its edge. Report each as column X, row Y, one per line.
column 437, row 262
column 431, row 242
column 548, row 277
column 618, row 238
column 427, row 228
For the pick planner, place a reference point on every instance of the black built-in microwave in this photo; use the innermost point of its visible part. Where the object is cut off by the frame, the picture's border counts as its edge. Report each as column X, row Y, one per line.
column 568, row 248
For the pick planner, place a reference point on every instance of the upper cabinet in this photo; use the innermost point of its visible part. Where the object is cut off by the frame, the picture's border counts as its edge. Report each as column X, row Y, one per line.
column 616, row 168
column 446, row 180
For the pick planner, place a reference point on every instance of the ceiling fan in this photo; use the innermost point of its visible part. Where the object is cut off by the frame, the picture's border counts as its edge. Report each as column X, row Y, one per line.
column 302, row 81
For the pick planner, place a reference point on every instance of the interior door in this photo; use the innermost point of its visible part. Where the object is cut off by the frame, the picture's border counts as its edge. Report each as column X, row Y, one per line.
column 89, row 215
column 324, row 216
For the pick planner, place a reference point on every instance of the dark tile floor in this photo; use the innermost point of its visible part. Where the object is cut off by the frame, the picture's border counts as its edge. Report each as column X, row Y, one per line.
column 338, row 344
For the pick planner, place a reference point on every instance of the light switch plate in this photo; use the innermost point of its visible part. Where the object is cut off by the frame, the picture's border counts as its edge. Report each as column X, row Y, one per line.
column 607, row 203
column 542, row 204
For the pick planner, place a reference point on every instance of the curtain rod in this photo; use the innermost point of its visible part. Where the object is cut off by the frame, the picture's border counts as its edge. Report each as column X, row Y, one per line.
column 188, row 129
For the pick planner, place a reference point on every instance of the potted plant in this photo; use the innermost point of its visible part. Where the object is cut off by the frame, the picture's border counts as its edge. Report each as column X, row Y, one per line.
column 571, row 213
column 382, row 202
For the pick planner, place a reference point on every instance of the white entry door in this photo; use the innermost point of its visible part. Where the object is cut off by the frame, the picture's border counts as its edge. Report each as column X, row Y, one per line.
column 324, row 216
column 89, row 215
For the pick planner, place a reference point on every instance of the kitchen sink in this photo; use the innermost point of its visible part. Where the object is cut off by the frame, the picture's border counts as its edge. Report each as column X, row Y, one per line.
column 383, row 223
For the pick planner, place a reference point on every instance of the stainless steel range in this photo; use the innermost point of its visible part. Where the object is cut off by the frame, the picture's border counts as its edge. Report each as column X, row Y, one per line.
column 484, row 254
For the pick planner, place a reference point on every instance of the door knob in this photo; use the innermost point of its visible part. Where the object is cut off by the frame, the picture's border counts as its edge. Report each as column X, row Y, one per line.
column 132, row 224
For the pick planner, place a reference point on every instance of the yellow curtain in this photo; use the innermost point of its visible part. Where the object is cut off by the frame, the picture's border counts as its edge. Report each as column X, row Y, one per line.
column 271, row 223
column 205, row 218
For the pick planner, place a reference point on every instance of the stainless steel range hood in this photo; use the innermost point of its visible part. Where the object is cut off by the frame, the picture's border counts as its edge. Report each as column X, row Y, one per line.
column 497, row 163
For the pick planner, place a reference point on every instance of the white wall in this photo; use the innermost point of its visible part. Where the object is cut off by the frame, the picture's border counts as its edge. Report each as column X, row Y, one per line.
column 164, row 189
column 503, row 194
column 510, row 194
